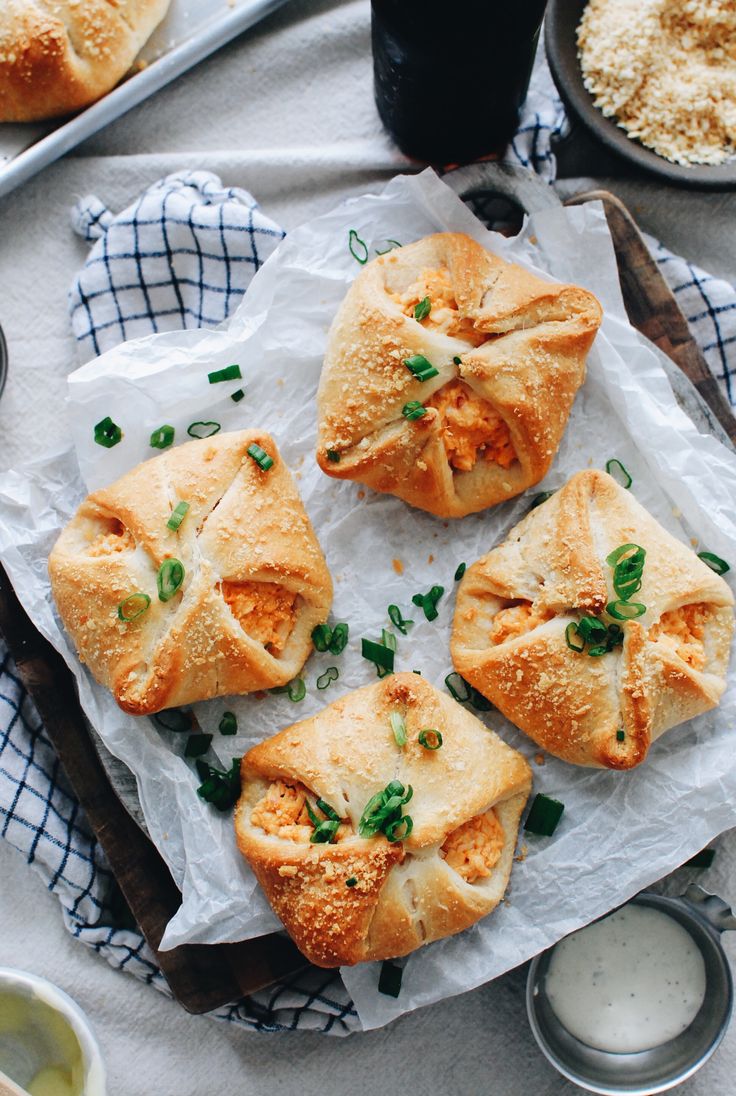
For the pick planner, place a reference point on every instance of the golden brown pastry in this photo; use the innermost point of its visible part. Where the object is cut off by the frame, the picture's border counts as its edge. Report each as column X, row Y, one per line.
column 548, row 588
column 353, row 898
column 503, row 354
column 57, row 56
column 239, row 614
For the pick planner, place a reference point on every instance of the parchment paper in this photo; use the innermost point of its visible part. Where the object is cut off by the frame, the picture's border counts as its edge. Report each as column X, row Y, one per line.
column 619, row 830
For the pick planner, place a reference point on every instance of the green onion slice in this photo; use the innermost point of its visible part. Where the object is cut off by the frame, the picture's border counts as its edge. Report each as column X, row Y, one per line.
column 197, row 744
column 428, row 601
column 228, row 723
column 622, row 474
column 260, row 456
column 321, row 637
column 394, row 832
column 328, row 811
column 420, row 367
column 540, row 498
column 620, row 735
column 162, row 438
column 169, row 579
column 479, row 702
column 544, row 815
column 398, row 726
column 716, row 564
column 351, row 882
column 107, row 433
column 398, row 621
column 423, row 309
column 394, row 245
column 324, row 833
column 331, row 674
column 592, row 630
column 218, row 787
column 379, row 654
column 296, row 690
column 384, row 808
column 570, row 632
column 413, row 410
column 457, row 361
column 430, row 739
column 203, row 429
column 625, row 610
column 333, row 455
column 174, row 720
column 357, row 247
column 702, row 859
column 133, row 606
column 339, row 641
column 177, row 515
column 389, row 980
column 598, row 650
column 237, row 395
column 229, row 373
column 461, row 568
column 458, row 687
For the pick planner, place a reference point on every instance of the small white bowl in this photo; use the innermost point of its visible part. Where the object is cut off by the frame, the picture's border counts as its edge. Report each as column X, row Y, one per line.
column 31, row 987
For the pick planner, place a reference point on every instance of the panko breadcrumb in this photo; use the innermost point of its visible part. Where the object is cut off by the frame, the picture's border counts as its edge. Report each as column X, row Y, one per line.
column 665, row 70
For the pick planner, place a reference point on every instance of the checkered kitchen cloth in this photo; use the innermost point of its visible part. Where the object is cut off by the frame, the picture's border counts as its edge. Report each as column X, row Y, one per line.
column 182, row 256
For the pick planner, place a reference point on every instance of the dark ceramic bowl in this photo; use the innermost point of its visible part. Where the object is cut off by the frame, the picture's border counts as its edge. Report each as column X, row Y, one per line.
column 561, row 22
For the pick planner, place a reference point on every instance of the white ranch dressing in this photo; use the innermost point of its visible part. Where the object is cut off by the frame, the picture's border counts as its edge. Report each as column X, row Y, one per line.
column 627, row 983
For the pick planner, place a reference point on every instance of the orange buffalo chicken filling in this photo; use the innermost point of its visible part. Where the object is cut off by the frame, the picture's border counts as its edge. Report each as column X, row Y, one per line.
column 443, row 315
column 470, row 427
column 282, row 812
column 516, row 620
column 474, row 849
column 684, row 630
column 116, row 539
column 265, row 610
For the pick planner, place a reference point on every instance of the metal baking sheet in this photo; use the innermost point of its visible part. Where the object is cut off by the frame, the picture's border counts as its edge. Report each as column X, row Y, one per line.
column 192, row 30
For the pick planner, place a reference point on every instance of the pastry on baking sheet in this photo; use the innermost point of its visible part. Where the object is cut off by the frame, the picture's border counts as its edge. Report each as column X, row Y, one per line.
column 222, row 602
column 57, row 56
column 368, row 848
column 450, row 374
column 592, row 628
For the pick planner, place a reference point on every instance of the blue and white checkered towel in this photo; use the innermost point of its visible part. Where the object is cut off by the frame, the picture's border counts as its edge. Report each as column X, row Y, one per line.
column 182, row 256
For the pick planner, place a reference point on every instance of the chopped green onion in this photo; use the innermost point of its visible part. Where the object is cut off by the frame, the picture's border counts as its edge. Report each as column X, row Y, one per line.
column 296, row 690
column 458, row 687
column 229, row 373
column 174, row 720
column 228, row 723
column 423, row 309
column 133, row 606
column 339, row 640
column 351, row 882
column 715, row 563
column 572, row 630
column 457, row 361
column 177, row 515
column 389, row 980
column 203, row 429
column 392, row 828
column 598, row 650
column 540, row 498
column 628, row 550
column 460, row 571
column 702, row 859
column 625, row 610
column 197, row 744
column 479, row 702
column 379, row 654
column 162, row 438
column 616, row 465
column 237, row 395
column 398, row 621
column 384, row 808
column 321, row 637
column 420, row 367
column 544, row 815
column 331, row 674
column 394, row 245
column 169, row 579
column 107, row 433
column 333, row 455
column 620, row 735
column 398, row 726
column 358, row 247
column 260, row 456
column 591, row 629
column 324, row 833
column 218, row 787
column 413, row 410
column 428, row 601
column 430, row 739
column 327, row 810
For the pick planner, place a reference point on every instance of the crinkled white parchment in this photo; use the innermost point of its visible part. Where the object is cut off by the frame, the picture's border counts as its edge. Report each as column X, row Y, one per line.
column 619, row 831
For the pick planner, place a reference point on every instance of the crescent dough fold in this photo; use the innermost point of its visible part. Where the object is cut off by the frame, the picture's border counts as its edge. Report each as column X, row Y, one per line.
column 451, row 870
column 509, row 350
column 255, row 580
column 515, row 604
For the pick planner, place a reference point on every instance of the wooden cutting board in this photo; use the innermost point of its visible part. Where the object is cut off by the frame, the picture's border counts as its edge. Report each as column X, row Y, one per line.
column 204, row 977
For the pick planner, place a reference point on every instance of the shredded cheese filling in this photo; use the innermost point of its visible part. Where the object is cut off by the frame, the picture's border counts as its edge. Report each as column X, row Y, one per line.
column 116, row 539
column 444, row 315
column 516, row 621
column 265, row 610
column 471, row 428
column 684, row 630
column 474, row 849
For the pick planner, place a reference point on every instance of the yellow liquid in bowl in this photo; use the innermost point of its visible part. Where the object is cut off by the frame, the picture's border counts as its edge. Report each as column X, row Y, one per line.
column 38, row 1048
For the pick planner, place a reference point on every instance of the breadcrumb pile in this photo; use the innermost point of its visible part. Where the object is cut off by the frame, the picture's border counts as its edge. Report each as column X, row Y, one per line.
column 666, row 71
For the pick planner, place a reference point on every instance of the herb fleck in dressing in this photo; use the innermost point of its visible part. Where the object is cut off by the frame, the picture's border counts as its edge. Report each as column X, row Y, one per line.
column 627, row 983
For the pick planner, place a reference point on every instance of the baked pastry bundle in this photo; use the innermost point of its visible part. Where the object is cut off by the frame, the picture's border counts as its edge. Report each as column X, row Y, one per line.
column 322, row 820
column 57, row 56
column 592, row 628
column 450, row 374
column 225, row 602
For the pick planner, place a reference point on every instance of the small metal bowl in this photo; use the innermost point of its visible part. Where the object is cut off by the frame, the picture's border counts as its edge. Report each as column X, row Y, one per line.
column 3, row 361
column 705, row 917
